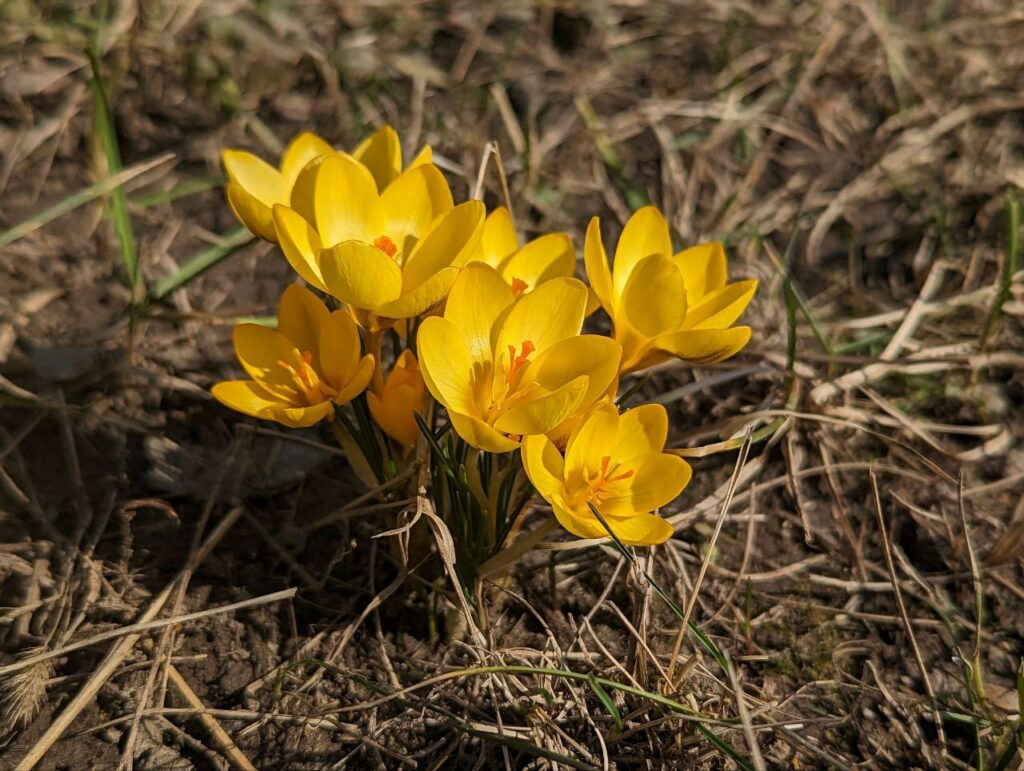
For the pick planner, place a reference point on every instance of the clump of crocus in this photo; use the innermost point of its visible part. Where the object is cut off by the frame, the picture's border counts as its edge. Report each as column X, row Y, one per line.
column 524, row 267
column 613, row 464
column 398, row 399
column 506, row 366
column 301, row 370
column 666, row 305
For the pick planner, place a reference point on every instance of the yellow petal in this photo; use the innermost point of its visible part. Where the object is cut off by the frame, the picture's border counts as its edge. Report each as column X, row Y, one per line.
column 251, row 212
column 425, row 155
column 596, row 262
column 499, row 238
column 595, row 356
column 658, row 479
column 704, row 346
column 592, row 440
column 246, row 396
column 653, row 301
column 304, row 148
column 394, row 409
column 300, row 317
column 642, row 430
column 640, row 529
column 302, row 417
column 703, row 268
column 360, row 380
column 338, row 349
column 452, row 236
column 446, row 365
column 412, row 202
column 480, row 435
column 256, row 177
column 360, row 275
column 646, row 233
column 345, row 201
column 381, row 153
column 722, row 307
column 543, row 259
column 544, row 466
column 300, row 244
column 424, row 297
column 303, row 195
column 550, row 313
column 477, row 299
column 540, row 415
column 260, row 351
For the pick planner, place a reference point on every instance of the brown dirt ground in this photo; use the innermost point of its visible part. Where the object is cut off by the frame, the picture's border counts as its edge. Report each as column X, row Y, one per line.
column 886, row 135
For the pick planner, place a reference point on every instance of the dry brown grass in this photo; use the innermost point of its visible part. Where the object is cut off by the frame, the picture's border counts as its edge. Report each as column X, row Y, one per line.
column 879, row 139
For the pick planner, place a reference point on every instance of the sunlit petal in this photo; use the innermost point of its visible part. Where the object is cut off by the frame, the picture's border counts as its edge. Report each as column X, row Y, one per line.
column 646, row 233
column 653, row 301
column 360, row 274
column 704, row 346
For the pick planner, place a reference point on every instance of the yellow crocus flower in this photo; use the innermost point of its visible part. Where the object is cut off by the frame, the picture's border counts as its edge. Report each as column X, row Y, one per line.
column 300, row 370
column 403, row 395
column 507, row 366
column 254, row 186
column 524, row 267
column 390, row 255
column 664, row 305
column 614, row 463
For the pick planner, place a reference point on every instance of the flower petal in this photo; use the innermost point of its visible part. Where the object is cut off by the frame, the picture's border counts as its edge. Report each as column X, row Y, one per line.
column 540, row 415
column 446, row 365
column 260, row 351
column 477, row 299
column 246, row 396
column 360, row 380
column 300, row 317
column 595, row 356
column 499, row 239
column 544, row 466
column 642, row 430
column 427, row 295
column 595, row 259
column 451, row 238
column 251, row 212
column 550, row 256
column 255, row 176
column 360, row 275
column 640, row 529
column 345, row 201
column 653, row 301
column 481, row 435
column 412, row 202
column 593, row 439
column 704, row 269
column 300, row 244
column 657, row 480
column 704, row 346
column 722, row 307
column 338, row 349
column 550, row 313
column 646, row 233
column 425, row 155
column 381, row 153
column 304, row 148
column 301, row 417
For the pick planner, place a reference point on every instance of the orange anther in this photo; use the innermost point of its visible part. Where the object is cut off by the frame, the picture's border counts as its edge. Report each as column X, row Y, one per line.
column 517, row 362
column 518, row 286
column 386, row 245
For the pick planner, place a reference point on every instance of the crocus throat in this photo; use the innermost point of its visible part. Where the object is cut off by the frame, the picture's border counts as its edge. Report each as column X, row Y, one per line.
column 386, row 245
column 599, row 484
column 305, row 380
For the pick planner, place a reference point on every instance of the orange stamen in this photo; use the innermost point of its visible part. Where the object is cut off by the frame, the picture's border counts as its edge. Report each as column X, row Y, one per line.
column 518, row 286
column 386, row 245
column 517, row 362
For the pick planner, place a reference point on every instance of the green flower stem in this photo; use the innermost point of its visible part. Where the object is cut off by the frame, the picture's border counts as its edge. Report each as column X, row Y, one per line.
column 511, row 554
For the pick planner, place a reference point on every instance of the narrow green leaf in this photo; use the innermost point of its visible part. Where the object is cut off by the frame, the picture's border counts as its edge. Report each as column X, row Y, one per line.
column 605, row 698
column 202, row 262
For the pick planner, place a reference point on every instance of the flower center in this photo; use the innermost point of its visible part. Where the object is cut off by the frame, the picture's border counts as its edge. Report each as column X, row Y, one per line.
column 386, row 245
column 518, row 286
column 598, row 485
column 516, row 362
column 305, row 380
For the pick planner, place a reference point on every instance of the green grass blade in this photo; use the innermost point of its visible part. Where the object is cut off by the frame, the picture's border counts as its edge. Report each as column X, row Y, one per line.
column 180, row 190
column 106, row 135
column 1009, row 266
column 605, row 698
column 82, row 197
column 202, row 262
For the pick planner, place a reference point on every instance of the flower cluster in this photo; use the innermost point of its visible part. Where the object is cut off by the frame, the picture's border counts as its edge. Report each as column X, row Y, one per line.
column 416, row 303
